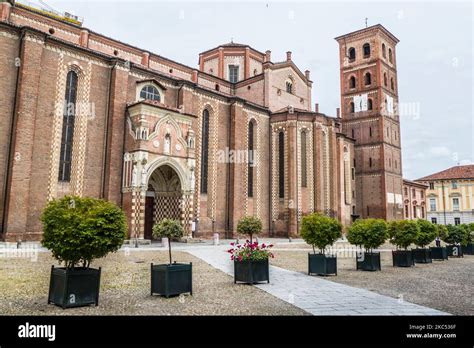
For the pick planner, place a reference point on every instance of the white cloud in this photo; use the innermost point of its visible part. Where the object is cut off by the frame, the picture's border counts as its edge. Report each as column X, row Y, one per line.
column 439, row 151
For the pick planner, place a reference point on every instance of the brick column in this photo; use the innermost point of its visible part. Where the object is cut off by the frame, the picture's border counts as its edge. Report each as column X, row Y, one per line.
column 292, row 178
column 23, row 137
column 117, row 105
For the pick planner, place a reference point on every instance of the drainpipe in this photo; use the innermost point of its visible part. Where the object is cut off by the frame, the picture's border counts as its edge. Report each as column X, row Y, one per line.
column 12, row 127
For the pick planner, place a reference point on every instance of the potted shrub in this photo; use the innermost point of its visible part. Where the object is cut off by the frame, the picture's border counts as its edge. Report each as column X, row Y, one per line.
column 77, row 231
column 426, row 234
column 319, row 231
column 172, row 278
column 370, row 234
column 439, row 252
column 402, row 234
column 250, row 259
column 457, row 235
column 468, row 248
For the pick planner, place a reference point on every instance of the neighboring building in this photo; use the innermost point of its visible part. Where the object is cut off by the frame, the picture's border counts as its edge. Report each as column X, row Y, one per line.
column 450, row 195
column 369, row 101
column 414, row 205
column 206, row 146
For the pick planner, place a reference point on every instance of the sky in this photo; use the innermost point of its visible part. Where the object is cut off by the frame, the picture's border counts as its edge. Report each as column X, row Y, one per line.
column 434, row 56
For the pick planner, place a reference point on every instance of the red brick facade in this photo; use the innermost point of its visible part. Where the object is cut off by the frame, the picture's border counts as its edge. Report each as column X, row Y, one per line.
column 147, row 155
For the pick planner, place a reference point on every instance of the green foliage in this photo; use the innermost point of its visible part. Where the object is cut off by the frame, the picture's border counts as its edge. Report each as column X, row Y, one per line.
column 403, row 232
column 370, row 233
column 320, row 231
column 470, row 237
column 457, row 234
column 249, row 225
column 427, row 233
column 442, row 232
column 168, row 228
column 78, row 230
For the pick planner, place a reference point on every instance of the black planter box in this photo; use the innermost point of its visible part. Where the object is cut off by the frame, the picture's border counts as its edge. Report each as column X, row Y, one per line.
column 74, row 287
column 322, row 264
column 402, row 258
column 439, row 253
column 468, row 249
column 454, row 251
column 369, row 262
column 251, row 272
column 172, row 279
column 422, row 255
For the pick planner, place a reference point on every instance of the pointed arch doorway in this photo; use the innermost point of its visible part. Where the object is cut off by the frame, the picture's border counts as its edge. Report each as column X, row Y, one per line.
column 164, row 198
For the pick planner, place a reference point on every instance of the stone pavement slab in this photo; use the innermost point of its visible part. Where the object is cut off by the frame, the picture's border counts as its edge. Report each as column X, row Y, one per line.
column 313, row 294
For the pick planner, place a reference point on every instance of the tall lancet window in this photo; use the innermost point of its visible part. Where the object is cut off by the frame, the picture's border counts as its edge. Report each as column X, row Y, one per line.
column 69, row 115
column 204, row 150
column 304, row 181
column 281, row 164
column 251, row 160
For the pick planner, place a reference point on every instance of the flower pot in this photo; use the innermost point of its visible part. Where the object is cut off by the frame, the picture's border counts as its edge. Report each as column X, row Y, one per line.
column 172, row 279
column 402, row 258
column 468, row 249
column 369, row 262
column 322, row 264
column 439, row 253
column 74, row 287
column 422, row 255
column 251, row 272
column 454, row 251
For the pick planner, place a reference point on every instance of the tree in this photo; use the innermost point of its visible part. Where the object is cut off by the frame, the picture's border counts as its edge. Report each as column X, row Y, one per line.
column 320, row 231
column 249, row 225
column 427, row 233
column 78, row 230
column 457, row 234
column 442, row 231
column 403, row 233
column 370, row 233
column 168, row 228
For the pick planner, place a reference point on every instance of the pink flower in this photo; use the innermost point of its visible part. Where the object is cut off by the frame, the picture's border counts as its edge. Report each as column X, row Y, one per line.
column 232, row 243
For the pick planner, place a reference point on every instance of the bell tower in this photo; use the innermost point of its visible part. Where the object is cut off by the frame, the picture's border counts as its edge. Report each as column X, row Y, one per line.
column 369, row 103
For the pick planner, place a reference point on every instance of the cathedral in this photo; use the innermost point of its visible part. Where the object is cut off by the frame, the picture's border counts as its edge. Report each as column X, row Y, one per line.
column 84, row 114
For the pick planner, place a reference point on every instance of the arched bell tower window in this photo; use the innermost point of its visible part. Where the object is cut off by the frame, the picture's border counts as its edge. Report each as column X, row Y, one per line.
column 281, row 165
column 370, row 104
column 69, row 116
column 368, row 79
column 384, row 51
column 352, row 82
column 204, row 150
column 352, row 107
column 150, row 92
column 390, row 58
column 251, row 159
column 366, row 49
column 352, row 54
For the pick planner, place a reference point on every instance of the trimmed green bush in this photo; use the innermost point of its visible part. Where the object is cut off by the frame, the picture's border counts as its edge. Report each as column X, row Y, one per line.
column 78, row 230
column 369, row 233
column 320, row 231
column 170, row 229
column 457, row 234
column 427, row 233
column 250, row 226
column 403, row 233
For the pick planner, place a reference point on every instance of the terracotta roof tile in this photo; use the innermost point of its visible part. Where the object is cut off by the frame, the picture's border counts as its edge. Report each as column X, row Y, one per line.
column 457, row 172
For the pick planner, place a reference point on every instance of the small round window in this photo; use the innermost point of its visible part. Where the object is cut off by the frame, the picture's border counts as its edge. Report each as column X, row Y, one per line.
column 150, row 92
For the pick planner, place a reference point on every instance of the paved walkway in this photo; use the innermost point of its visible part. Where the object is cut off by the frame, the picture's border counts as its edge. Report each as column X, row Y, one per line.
column 314, row 294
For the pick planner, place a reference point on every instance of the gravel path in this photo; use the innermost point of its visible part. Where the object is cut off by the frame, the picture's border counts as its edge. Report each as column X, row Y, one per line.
column 444, row 285
column 125, row 289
